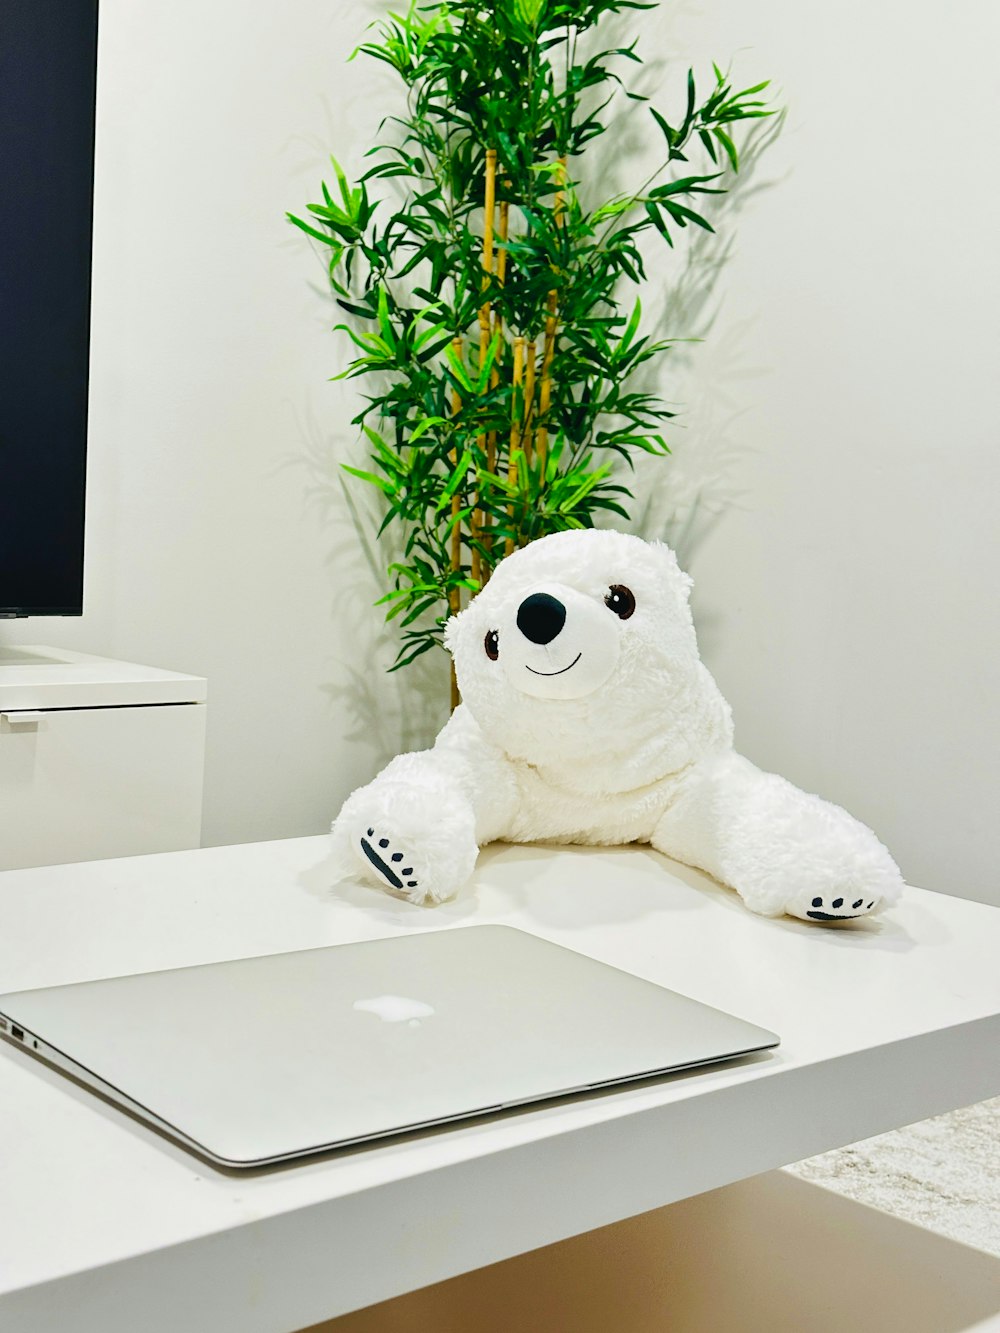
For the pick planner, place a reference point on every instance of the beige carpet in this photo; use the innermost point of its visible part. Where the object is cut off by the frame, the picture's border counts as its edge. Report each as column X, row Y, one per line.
column 942, row 1173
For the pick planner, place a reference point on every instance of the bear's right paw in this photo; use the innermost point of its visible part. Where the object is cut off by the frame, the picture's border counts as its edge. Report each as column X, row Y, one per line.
column 425, row 866
column 418, row 841
column 387, row 860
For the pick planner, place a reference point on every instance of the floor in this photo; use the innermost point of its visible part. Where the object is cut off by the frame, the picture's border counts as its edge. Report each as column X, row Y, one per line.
column 942, row 1173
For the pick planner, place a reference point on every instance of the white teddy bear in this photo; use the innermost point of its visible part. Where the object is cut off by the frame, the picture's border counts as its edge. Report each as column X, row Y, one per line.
column 588, row 717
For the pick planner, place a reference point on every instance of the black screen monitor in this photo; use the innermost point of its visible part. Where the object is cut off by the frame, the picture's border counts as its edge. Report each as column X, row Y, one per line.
column 48, row 59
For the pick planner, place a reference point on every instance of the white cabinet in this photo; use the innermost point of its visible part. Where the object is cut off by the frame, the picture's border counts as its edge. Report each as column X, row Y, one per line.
column 97, row 758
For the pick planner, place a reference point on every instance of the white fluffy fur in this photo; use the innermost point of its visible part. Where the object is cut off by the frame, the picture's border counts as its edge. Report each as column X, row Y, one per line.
column 612, row 732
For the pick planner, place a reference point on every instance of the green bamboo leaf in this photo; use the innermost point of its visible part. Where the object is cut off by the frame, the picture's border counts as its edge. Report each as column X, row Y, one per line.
column 323, row 236
column 669, row 133
column 428, row 423
column 729, row 146
column 487, row 364
column 384, row 322
column 632, row 327
column 656, row 217
column 393, row 596
column 614, row 208
column 380, row 482
column 418, row 609
column 583, row 489
column 374, row 438
column 689, row 113
column 686, row 185
column 405, row 658
column 457, row 520
column 683, row 215
column 757, row 88
column 459, row 475
column 352, row 308
column 458, row 369
column 345, row 192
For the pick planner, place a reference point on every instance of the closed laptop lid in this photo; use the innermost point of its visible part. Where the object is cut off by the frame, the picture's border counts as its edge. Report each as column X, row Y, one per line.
column 260, row 1059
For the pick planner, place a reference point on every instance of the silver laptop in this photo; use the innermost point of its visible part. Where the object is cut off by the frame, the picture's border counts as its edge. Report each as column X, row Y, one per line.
column 255, row 1061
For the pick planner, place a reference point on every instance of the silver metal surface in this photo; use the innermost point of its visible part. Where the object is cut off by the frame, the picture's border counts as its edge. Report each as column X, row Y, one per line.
column 260, row 1059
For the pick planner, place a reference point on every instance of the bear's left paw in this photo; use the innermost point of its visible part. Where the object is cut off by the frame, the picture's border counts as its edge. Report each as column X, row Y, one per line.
column 391, row 864
column 873, row 886
column 842, row 907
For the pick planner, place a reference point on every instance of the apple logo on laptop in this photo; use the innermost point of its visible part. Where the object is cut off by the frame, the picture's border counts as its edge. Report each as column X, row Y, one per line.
column 395, row 1009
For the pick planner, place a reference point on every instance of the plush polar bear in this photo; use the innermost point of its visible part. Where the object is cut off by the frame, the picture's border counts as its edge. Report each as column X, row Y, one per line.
column 588, row 717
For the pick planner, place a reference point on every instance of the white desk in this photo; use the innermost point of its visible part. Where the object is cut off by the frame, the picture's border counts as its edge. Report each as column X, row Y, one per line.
column 106, row 1226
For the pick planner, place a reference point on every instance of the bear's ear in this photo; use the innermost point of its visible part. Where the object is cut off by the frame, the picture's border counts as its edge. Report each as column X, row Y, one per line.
column 673, row 570
column 452, row 631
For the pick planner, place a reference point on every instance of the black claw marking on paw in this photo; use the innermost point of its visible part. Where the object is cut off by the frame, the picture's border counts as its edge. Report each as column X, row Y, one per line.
column 858, row 903
column 383, row 867
column 836, row 916
column 832, row 916
column 380, row 865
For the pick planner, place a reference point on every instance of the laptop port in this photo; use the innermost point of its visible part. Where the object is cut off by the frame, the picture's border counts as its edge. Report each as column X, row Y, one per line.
column 17, row 1032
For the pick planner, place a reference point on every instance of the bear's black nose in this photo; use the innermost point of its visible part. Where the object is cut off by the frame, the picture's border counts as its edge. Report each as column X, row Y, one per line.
column 541, row 617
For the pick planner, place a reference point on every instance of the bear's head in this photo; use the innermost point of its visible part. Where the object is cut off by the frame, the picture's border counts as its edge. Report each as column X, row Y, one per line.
column 581, row 651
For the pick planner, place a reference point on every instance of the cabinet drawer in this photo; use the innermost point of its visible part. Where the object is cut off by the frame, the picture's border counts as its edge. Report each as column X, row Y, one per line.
column 79, row 784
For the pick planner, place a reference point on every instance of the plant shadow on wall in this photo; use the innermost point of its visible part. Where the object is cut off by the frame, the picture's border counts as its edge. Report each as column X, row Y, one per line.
column 486, row 293
column 386, row 713
column 682, row 502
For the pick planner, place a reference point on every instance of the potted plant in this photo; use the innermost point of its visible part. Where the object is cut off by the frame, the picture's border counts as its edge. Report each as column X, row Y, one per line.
column 492, row 308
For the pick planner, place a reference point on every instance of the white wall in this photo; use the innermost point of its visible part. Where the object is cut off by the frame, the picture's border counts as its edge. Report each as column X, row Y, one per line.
column 848, row 596
column 842, row 412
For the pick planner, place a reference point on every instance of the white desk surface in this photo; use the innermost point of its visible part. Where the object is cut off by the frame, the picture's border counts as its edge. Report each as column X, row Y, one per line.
column 104, row 1225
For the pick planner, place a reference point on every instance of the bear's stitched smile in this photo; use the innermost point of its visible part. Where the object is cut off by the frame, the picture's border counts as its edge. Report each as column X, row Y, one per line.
column 558, row 673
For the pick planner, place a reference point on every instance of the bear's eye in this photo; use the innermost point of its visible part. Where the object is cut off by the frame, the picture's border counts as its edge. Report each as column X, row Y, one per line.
column 492, row 645
column 620, row 600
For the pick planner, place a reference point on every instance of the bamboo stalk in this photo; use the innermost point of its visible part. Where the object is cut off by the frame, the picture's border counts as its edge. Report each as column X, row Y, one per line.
column 497, row 326
column 489, row 208
column 551, row 326
column 527, row 428
column 455, row 594
column 515, row 427
column 502, row 251
column 502, row 234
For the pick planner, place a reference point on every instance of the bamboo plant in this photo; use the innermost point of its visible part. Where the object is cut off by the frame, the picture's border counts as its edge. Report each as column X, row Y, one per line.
column 487, row 293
